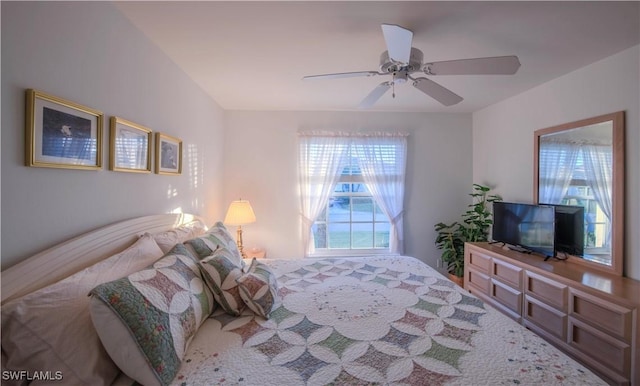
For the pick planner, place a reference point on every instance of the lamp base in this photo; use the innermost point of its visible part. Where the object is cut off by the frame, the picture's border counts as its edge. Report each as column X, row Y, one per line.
column 239, row 242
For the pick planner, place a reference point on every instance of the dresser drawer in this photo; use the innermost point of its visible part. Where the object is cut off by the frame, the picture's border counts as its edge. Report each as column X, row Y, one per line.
column 547, row 290
column 511, row 298
column 480, row 262
column 611, row 354
column 507, row 273
column 609, row 317
column 478, row 280
column 545, row 317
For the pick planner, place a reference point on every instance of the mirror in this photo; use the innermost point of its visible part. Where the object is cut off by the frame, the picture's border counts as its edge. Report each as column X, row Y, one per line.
column 582, row 163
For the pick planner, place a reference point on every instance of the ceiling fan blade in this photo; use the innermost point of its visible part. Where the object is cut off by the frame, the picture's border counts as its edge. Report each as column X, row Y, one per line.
column 398, row 41
column 436, row 91
column 341, row 75
column 374, row 95
column 499, row 65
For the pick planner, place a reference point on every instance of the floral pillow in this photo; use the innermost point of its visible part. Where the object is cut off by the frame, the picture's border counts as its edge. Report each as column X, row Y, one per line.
column 259, row 289
column 220, row 272
column 147, row 320
column 216, row 237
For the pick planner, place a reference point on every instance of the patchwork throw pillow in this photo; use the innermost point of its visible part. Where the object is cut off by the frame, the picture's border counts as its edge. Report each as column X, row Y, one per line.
column 147, row 320
column 259, row 289
column 217, row 236
column 50, row 329
column 220, row 272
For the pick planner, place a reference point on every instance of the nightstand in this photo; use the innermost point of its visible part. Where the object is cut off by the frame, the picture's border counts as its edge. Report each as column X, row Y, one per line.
column 258, row 253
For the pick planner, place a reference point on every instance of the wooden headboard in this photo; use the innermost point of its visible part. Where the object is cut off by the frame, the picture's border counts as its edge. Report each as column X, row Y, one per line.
column 69, row 257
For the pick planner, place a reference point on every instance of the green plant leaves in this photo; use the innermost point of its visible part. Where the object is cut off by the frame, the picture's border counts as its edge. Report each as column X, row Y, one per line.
column 473, row 228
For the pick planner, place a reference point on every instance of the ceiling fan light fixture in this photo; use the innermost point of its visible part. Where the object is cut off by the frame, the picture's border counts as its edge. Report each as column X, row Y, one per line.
column 400, row 77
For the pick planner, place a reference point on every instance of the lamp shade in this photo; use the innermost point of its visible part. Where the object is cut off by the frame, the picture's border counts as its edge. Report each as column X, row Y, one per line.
column 240, row 213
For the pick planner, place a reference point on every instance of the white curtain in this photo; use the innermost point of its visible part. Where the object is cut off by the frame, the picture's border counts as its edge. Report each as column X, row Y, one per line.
column 598, row 167
column 556, row 163
column 382, row 160
column 320, row 161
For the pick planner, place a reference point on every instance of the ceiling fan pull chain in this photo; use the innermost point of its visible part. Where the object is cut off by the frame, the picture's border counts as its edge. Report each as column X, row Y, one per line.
column 393, row 89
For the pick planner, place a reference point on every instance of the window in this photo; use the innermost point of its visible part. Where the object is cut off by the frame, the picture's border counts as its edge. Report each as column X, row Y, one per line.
column 352, row 191
column 351, row 219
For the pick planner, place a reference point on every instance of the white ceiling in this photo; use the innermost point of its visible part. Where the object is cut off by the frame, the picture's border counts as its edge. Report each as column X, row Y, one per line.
column 252, row 55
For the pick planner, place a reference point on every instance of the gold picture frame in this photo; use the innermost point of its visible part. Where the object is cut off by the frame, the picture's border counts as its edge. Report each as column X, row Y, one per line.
column 129, row 146
column 168, row 154
column 61, row 134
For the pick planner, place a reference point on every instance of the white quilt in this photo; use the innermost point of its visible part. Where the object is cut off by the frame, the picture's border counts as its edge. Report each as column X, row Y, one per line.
column 385, row 320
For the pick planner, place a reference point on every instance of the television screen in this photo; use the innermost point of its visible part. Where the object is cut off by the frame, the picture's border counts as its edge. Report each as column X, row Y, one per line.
column 570, row 229
column 531, row 227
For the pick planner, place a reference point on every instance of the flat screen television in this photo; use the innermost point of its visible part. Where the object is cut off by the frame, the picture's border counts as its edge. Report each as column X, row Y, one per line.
column 527, row 226
column 570, row 229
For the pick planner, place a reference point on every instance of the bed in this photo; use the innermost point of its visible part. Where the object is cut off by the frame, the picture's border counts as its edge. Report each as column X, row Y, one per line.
column 388, row 320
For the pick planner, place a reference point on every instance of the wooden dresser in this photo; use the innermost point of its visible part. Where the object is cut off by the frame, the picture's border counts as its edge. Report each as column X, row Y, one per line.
column 590, row 315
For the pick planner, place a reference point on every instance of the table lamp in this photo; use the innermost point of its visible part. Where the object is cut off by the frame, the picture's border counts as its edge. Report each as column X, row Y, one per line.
column 240, row 213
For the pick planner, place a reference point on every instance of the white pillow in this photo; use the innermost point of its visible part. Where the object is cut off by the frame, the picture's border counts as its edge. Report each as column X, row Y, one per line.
column 168, row 239
column 51, row 329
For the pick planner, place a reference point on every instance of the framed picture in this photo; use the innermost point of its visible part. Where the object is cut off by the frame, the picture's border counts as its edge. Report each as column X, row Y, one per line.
column 62, row 134
column 168, row 154
column 129, row 146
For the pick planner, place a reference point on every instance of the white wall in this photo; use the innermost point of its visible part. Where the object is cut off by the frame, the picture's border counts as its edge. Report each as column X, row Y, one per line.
column 503, row 133
column 89, row 53
column 261, row 166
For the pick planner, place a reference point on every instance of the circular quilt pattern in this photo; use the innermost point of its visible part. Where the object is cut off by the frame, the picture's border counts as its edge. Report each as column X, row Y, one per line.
column 351, row 322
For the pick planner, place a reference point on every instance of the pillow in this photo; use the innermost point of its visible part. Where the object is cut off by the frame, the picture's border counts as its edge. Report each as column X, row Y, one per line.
column 217, row 236
column 259, row 289
column 168, row 239
column 50, row 329
column 220, row 272
column 147, row 320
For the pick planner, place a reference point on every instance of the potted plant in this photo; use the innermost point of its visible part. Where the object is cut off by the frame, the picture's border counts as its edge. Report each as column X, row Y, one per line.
column 473, row 227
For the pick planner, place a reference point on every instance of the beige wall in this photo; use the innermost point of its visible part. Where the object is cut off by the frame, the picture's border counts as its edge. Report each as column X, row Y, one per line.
column 503, row 133
column 261, row 166
column 89, row 53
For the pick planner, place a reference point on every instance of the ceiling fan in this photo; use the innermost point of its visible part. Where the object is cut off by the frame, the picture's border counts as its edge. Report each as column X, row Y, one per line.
column 401, row 61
